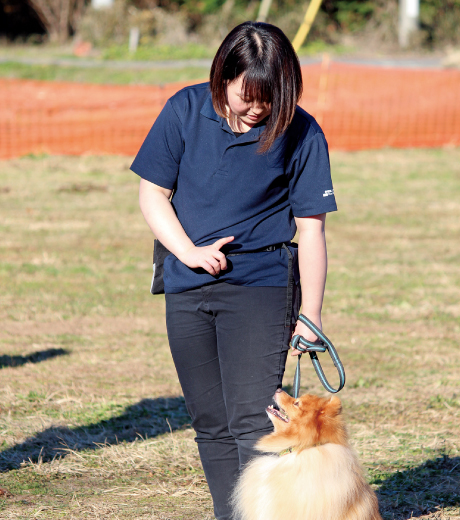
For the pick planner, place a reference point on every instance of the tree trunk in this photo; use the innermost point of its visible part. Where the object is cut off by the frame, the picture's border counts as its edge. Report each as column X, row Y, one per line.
column 58, row 16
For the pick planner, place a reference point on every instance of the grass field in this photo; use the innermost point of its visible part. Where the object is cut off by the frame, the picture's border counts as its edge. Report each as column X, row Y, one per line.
column 102, row 75
column 93, row 425
column 106, row 73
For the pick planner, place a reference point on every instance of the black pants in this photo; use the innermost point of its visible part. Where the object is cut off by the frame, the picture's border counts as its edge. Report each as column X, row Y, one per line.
column 229, row 344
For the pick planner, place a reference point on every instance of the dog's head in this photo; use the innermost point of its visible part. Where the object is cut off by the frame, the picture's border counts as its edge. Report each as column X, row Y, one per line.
column 304, row 422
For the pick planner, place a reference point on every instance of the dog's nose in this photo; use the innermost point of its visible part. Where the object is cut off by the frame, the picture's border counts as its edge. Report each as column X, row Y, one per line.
column 278, row 390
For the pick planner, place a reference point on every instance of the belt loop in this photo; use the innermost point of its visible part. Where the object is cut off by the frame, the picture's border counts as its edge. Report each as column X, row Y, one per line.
column 290, row 286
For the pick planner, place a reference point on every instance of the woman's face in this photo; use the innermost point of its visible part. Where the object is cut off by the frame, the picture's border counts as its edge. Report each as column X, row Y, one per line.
column 248, row 113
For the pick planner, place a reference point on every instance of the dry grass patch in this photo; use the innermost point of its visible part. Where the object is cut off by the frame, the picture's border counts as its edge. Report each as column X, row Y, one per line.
column 92, row 422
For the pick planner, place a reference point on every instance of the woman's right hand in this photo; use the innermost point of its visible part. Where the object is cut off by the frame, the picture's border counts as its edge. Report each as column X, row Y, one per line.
column 209, row 258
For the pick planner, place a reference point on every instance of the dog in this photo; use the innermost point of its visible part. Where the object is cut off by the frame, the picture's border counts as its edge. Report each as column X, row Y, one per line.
column 319, row 476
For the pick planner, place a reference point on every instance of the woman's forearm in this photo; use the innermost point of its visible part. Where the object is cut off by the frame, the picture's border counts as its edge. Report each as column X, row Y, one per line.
column 161, row 218
column 312, row 264
column 313, row 269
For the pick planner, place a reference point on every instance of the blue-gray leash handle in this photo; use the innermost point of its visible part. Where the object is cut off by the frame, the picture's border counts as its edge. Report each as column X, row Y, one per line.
column 323, row 344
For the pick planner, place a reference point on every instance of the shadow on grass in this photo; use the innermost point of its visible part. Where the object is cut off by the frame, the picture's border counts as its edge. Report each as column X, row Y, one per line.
column 148, row 418
column 421, row 490
column 410, row 492
column 36, row 357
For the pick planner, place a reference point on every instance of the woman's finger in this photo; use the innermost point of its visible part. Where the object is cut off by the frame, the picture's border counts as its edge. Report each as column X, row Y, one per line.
column 214, row 263
column 208, row 268
column 221, row 258
column 218, row 254
column 222, row 241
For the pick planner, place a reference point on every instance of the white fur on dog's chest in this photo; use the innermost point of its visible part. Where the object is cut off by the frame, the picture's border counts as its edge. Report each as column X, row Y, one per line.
column 313, row 484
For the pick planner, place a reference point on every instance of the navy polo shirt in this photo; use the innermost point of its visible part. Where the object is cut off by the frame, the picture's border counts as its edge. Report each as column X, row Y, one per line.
column 224, row 187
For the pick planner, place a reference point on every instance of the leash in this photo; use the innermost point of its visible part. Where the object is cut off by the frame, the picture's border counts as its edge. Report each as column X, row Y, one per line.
column 322, row 345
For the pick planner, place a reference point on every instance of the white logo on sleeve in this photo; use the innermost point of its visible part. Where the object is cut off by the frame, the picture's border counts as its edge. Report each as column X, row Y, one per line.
column 328, row 192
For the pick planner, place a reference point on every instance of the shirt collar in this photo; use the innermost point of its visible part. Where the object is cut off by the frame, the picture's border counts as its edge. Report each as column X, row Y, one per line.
column 207, row 110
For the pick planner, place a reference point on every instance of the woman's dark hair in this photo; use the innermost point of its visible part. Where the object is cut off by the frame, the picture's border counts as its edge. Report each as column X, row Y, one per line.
column 271, row 74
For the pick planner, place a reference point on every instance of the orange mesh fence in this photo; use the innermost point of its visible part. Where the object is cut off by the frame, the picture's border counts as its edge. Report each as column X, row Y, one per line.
column 372, row 107
column 358, row 107
column 73, row 118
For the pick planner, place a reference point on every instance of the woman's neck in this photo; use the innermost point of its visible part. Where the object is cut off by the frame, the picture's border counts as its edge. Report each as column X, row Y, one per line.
column 236, row 125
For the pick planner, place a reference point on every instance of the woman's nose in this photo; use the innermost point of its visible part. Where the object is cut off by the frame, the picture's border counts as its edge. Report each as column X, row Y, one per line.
column 257, row 108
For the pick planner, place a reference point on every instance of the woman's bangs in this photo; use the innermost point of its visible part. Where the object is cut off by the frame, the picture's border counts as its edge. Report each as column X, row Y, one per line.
column 257, row 85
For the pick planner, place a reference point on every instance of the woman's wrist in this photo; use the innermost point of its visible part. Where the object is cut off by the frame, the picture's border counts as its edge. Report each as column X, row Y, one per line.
column 314, row 316
column 183, row 251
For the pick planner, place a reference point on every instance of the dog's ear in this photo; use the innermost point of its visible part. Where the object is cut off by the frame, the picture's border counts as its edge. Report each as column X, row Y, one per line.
column 333, row 407
column 274, row 443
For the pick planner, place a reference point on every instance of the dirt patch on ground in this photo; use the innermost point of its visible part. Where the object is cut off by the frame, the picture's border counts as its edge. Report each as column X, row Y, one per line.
column 82, row 326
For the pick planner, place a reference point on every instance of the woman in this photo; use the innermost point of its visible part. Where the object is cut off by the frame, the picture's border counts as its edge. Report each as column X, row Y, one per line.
column 248, row 168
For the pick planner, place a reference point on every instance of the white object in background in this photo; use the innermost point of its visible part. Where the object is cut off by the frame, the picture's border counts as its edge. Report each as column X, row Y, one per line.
column 98, row 4
column 408, row 20
column 134, row 34
column 412, row 8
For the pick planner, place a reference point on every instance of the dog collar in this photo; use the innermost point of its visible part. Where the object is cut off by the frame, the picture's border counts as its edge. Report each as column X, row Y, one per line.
column 293, row 449
column 286, row 451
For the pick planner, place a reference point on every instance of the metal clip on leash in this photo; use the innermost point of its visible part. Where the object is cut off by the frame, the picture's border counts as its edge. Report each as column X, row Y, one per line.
column 321, row 345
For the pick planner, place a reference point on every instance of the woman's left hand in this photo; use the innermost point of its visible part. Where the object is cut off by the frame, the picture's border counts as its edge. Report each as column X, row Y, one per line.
column 305, row 332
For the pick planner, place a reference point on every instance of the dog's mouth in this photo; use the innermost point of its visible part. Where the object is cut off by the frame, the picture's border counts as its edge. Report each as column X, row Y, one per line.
column 278, row 412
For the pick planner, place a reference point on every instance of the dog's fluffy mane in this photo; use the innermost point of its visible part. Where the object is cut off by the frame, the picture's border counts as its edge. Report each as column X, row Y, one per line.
column 320, row 479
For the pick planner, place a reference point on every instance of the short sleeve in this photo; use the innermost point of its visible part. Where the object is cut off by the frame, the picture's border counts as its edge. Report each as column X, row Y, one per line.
column 310, row 184
column 159, row 156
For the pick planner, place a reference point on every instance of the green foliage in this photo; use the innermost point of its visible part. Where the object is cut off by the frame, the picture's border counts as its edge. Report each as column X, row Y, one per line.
column 440, row 21
column 352, row 15
column 200, row 6
column 334, row 18
column 182, row 22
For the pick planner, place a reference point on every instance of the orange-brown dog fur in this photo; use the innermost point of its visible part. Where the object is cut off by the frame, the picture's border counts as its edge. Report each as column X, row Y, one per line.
column 321, row 479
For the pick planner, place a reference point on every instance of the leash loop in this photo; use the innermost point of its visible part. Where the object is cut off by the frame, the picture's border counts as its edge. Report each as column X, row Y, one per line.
column 323, row 344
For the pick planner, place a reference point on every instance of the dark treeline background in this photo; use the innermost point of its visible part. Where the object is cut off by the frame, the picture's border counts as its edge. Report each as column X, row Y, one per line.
column 205, row 22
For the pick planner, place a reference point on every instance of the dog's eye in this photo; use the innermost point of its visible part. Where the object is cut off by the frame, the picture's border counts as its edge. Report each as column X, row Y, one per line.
column 296, row 403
